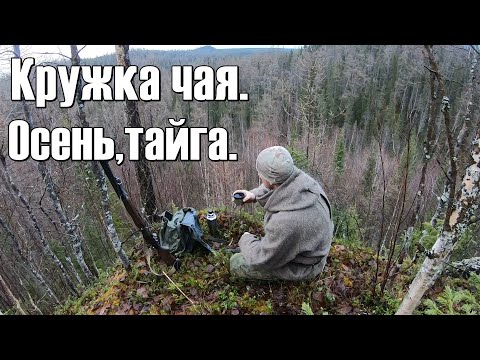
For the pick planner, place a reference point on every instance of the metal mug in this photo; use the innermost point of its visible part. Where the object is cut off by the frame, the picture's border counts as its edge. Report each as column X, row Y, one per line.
column 238, row 198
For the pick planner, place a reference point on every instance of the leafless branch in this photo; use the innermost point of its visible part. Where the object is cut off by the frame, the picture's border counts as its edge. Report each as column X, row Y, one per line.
column 432, row 71
column 443, row 170
column 51, row 53
column 475, row 49
column 447, row 79
column 84, row 46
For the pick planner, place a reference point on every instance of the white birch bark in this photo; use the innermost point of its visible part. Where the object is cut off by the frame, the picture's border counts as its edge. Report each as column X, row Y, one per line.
column 464, row 207
column 70, row 228
column 68, row 225
column 100, row 176
column 33, row 219
column 31, row 266
column 11, row 296
column 466, row 266
column 443, row 199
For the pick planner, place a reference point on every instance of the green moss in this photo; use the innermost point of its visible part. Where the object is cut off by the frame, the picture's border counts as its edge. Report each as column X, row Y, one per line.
column 344, row 287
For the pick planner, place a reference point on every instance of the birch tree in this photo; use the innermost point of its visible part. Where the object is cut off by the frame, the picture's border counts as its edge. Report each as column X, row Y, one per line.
column 28, row 262
column 11, row 296
column 454, row 146
column 70, row 228
column 428, row 151
column 99, row 175
column 461, row 207
column 11, row 185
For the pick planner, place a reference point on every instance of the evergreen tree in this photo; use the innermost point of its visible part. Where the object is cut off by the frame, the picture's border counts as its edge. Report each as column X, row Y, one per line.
column 340, row 154
column 368, row 179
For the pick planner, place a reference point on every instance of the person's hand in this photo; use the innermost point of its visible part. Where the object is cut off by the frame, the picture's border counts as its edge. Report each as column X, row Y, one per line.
column 247, row 237
column 249, row 196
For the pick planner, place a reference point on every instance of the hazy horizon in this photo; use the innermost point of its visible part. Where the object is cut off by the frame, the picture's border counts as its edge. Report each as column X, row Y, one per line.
column 92, row 51
column 53, row 52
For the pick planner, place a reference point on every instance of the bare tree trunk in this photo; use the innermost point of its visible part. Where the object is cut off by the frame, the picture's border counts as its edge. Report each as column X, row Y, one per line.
column 142, row 170
column 35, row 307
column 431, row 269
column 100, row 176
column 454, row 149
column 206, row 178
column 459, row 209
column 465, row 266
column 36, row 273
column 394, row 237
column 11, row 296
column 8, row 270
column 68, row 225
column 43, row 241
column 75, row 272
column 428, row 154
column 444, row 198
column 112, row 232
column 70, row 228
column 459, row 219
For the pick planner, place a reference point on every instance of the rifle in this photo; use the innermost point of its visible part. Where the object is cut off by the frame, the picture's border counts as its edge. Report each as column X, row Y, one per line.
column 137, row 218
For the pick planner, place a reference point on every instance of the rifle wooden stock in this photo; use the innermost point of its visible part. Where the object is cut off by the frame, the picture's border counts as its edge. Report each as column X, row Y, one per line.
column 137, row 218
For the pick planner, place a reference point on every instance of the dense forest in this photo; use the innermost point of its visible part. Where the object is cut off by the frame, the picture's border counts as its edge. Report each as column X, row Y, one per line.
column 390, row 131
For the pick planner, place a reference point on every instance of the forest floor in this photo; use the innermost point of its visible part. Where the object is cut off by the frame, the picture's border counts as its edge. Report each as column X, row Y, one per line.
column 345, row 286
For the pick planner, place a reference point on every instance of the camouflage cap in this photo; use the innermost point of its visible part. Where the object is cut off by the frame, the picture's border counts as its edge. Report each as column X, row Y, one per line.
column 275, row 164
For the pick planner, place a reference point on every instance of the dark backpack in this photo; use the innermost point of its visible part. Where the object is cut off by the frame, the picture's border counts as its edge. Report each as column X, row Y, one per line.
column 181, row 232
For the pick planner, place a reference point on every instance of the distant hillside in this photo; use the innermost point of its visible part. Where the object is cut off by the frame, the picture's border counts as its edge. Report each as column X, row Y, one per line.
column 172, row 57
column 210, row 50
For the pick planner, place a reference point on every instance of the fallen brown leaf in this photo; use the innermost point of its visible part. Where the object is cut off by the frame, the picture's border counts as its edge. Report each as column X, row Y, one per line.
column 318, row 296
column 125, row 307
column 120, row 277
column 348, row 282
column 212, row 296
column 278, row 295
column 345, row 309
column 142, row 291
column 197, row 262
column 339, row 287
column 103, row 309
column 140, row 263
column 328, row 281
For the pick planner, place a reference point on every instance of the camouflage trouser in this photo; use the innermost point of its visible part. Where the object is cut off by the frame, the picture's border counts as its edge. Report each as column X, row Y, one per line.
column 240, row 268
